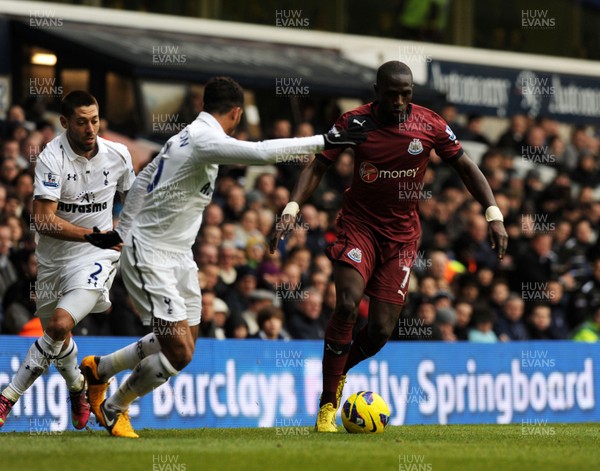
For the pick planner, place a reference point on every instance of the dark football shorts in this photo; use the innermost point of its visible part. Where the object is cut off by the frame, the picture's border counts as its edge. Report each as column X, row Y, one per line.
column 384, row 264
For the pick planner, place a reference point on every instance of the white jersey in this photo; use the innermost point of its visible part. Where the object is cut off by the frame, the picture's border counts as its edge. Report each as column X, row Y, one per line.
column 165, row 205
column 84, row 190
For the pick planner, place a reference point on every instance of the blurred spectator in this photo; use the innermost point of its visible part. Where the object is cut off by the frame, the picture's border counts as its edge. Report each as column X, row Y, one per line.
column 473, row 131
column 498, row 295
column 281, row 197
column 301, row 256
column 9, row 171
column 8, row 272
column 236, row 328
column 587, row 172
column 226, row 261
column 305, row 322
column 270, row 322
column 422, row 325
column 577, row 249
column 281, row 128
column 315, row 240
column 589, row 331
column 535, row 265
column 235, row 204
column 238, row 298
column 221, row 312
column 24, row 187
column 213, row 215
column 258, row 300
column 450, row 114
column 247, row 229
column 265, row 183
column 587, row 299
column 577, row 147
column 539, row 323
column 482, row 331
column 473, row 249
column 19, row 301
column 208, row 326
column 514, row 138
column 557, row 301
column 464, row 312
column 509, row 324
column 206, row 254
column 468, row 289
column 445, row 320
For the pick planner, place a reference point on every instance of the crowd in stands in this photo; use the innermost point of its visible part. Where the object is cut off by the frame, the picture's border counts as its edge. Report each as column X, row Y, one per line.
column 547, row 286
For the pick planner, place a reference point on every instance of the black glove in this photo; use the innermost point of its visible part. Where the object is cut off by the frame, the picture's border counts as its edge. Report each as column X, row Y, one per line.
column 104, row 240
column 344, row 138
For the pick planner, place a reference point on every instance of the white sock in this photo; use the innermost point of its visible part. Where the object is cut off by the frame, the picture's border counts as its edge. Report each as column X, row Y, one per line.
column 67, row 365
column 127, row 357
column 43, row 351
column 150, row 373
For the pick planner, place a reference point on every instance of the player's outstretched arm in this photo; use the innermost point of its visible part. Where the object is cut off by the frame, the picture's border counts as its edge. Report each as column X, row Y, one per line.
column 48, row 223
column 231, row 151
column 478, row 186
column 307, row 183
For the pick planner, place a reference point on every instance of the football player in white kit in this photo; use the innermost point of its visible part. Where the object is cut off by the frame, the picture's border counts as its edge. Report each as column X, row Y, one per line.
column 159, row 224
column 76, row 178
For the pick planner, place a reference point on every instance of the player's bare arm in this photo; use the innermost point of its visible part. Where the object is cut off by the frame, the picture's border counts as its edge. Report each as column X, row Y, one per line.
column 478, row 186
column 49, row 224
column 305, row 186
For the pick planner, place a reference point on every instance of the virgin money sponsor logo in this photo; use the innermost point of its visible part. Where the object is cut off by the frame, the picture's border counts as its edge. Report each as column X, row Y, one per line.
column 369, row 173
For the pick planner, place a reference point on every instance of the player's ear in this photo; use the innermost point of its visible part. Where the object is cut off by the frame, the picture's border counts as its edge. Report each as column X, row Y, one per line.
column 63, row 121
column 237, row 114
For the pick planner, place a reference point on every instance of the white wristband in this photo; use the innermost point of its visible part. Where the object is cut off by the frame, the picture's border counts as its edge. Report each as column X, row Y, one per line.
column 493, row 214
column 292, row 208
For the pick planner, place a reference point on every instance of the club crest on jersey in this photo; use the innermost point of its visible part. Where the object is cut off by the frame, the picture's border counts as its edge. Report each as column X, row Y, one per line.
column 355, row 254
column 415, row 147
column 51, row 180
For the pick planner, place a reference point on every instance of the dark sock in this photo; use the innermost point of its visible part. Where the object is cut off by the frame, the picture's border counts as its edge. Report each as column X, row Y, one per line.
column 361, row 349
column 338, row 337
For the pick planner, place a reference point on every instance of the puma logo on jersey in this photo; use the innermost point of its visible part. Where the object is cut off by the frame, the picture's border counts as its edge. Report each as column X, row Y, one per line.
column 360, row 123
column 355, row 254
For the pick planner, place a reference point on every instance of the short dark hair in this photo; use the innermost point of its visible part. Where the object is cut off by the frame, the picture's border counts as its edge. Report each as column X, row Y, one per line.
column 74, row 100
column 268, row 313
column 221, row 94
column 392, row 68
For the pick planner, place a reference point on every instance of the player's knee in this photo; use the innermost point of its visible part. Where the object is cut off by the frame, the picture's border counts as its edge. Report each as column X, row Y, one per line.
column 179, row 355
column 347, row 304
column 379, row 334
column 59, row 326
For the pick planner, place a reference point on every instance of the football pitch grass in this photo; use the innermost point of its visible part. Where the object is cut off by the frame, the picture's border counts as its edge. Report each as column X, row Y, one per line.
column 409, row 448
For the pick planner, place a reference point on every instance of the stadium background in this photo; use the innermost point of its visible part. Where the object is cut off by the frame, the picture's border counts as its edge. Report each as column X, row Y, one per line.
column 529, row 119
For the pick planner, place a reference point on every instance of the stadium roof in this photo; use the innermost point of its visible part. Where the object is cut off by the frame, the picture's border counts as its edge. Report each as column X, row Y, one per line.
column 195, row 58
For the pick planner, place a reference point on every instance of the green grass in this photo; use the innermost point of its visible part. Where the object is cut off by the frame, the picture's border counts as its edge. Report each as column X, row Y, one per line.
column 420, row 448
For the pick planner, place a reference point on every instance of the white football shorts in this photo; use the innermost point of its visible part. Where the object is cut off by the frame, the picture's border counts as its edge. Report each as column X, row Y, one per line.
column 54, row 282
column 161, row 284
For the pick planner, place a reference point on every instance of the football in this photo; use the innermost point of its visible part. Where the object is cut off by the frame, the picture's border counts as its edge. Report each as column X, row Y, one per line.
column 365, row 412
